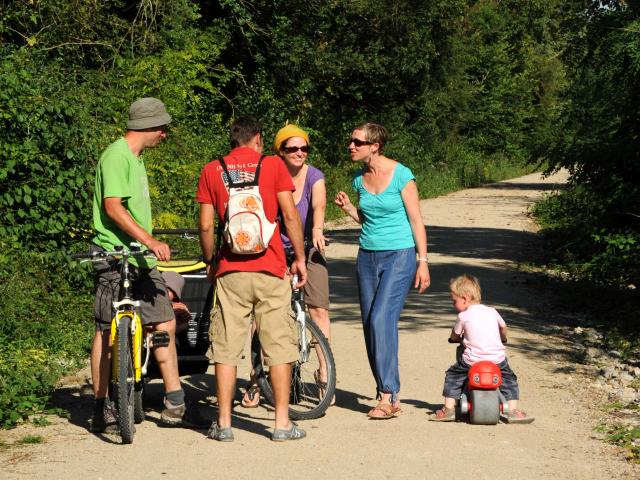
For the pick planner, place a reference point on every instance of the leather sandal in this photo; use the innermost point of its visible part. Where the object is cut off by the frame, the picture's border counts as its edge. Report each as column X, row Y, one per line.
column 322, row 387
column 251, row 397
column 387, row 410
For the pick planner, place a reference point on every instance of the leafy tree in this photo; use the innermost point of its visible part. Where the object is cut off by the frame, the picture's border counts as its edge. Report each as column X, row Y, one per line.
column 599, row 145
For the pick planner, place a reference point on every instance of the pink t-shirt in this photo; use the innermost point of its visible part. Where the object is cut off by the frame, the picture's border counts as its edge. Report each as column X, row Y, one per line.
column 481, row 328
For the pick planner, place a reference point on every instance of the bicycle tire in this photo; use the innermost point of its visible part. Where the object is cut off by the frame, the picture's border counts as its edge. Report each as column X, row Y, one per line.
column 307, row 400
column 125, row 381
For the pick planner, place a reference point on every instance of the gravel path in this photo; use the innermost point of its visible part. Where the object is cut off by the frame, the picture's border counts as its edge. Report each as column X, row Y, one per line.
column 483, row 231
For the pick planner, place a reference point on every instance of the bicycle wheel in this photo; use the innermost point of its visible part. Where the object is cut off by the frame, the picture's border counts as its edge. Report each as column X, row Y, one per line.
column 125, row 381
column 309, row 397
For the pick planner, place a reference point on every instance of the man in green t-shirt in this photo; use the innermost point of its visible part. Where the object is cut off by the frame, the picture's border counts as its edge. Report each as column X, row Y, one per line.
column 121, row 215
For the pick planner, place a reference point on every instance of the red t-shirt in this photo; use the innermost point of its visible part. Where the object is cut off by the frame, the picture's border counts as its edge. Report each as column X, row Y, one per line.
column 212, row 189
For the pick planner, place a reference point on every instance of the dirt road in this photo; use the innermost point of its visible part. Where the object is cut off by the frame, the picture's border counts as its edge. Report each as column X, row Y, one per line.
column 483, row 231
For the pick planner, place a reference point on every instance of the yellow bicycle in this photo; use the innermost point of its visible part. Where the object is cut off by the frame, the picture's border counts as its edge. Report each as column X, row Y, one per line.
column 129, row 340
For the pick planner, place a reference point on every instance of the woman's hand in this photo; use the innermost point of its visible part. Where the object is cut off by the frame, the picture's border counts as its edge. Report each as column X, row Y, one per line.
column 342, row 200
column 318, row 240
column 423, row 278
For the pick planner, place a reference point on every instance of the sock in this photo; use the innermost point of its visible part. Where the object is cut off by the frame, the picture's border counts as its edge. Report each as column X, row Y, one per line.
column 175, row 398
column 98, row 404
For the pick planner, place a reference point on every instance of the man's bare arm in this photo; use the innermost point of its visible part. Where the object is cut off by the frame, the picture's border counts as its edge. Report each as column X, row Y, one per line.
column 125, row 222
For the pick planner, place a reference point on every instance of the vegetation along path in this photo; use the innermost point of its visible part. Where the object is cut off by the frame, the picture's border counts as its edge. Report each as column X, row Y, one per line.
column 483, row 231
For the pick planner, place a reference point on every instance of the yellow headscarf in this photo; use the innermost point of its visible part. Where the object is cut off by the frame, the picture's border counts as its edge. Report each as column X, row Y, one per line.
column 287, row 132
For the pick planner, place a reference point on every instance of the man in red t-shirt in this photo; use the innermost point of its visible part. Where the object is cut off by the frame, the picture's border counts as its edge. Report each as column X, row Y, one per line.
column 254, row 284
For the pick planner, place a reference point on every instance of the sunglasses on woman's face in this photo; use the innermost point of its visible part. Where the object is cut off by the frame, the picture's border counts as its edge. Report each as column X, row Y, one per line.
column 358, row 143
column 290, row 150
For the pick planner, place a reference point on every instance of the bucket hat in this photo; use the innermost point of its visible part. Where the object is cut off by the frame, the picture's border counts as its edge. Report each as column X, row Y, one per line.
column 147, row 112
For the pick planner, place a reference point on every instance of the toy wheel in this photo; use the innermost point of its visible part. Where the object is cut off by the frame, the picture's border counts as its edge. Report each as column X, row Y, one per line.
column 485, row 407
column 464, row 404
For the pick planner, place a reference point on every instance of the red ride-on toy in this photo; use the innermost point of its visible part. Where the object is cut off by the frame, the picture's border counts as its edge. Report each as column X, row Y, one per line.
column 481, row 397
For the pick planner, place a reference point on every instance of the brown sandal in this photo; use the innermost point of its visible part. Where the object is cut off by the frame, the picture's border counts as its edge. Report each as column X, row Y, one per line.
column 251, row 398
column 388, row 411
column 322, row 387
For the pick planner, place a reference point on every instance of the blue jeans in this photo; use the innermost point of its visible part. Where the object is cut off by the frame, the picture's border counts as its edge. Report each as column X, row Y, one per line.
column 456, row 378
column 384, row 280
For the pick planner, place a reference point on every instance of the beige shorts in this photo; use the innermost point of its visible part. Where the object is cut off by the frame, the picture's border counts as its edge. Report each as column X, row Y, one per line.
column 316, row 290
column 240, row 294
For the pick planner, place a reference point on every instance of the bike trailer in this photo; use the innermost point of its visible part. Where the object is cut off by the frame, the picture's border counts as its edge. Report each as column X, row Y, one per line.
column 193, row 343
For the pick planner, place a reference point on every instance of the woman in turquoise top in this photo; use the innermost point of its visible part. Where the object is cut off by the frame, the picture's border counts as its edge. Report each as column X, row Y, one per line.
column 392, row 233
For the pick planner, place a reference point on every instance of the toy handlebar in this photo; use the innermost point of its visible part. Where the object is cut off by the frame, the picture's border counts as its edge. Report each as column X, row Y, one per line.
column 504, row 340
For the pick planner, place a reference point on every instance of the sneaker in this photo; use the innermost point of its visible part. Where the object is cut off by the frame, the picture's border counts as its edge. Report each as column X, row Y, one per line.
column 104, row 419
column 291, row 433
column 220, row 434
column 185, row 415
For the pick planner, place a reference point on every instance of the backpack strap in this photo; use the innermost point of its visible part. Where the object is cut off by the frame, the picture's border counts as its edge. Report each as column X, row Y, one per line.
column 232, row 184
column 257, row 175
column 226, row 171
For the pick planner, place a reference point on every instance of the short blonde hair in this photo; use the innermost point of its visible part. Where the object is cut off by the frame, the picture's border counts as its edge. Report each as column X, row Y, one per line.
column 466, row 286
column 374, row 133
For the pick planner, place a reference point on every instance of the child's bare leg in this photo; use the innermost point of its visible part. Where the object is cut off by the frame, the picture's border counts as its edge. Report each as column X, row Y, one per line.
column 513, row 405
column 450, row 403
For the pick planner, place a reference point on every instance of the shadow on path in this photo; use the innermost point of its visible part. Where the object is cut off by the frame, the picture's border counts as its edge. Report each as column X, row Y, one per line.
column 492, row 254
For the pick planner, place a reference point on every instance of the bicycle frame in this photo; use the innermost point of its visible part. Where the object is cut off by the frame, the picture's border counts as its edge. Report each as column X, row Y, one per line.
column 297, row 302
column 127, row 307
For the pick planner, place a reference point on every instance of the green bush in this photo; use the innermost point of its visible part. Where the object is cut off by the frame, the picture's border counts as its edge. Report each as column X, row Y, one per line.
column 45, row 331
column 584, row 241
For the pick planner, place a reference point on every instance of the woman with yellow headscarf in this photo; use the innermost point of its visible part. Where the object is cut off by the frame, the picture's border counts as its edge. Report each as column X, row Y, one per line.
column 292, row 145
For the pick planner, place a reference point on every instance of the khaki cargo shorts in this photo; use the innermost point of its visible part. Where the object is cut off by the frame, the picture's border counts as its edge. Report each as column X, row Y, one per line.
column 240, row 295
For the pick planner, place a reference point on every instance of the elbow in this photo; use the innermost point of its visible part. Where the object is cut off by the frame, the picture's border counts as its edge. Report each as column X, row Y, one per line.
column 205, row 228
column 290, row 216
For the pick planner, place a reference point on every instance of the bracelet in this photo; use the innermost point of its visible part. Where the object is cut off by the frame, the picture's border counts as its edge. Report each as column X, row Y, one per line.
column 423, row 259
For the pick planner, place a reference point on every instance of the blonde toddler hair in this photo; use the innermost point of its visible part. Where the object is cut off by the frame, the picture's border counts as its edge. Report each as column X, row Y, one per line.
column 466, row 286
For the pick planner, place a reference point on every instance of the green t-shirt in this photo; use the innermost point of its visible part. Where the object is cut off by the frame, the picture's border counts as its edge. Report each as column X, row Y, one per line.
column 121, row 174
column 386, row 224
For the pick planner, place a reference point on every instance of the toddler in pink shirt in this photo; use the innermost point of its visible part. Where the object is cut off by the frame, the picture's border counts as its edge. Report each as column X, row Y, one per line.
column 482, row 332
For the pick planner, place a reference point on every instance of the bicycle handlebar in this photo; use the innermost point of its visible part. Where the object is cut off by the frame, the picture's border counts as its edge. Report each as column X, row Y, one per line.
column 100, row 254
column 176, row 231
